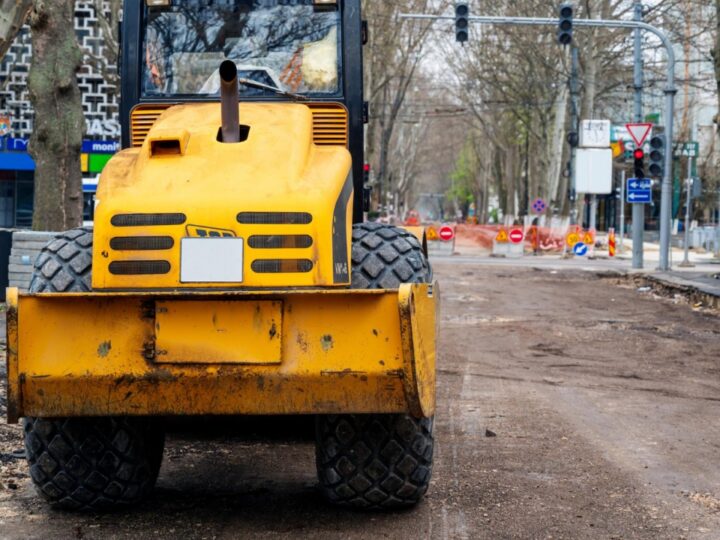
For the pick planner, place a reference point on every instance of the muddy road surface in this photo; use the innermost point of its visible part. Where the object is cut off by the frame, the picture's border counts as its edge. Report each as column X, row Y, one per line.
column 569, row 406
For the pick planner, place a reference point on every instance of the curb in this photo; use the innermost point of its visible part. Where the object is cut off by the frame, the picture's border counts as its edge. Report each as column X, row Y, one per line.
column 697, row 293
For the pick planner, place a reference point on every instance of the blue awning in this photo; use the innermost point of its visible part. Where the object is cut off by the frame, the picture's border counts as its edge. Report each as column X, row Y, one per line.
column 16, row 161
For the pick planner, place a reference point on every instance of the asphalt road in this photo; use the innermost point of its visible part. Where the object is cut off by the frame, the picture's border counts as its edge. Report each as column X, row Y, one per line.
column 570, row 406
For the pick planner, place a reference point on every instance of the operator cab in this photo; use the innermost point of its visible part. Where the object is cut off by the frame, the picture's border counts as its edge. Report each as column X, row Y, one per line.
column 301, row 50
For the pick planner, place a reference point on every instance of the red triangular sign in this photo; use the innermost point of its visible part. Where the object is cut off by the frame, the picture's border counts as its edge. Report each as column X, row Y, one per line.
column 639, row 132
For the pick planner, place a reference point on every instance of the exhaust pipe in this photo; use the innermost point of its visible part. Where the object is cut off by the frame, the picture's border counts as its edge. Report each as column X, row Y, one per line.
column 229, row 102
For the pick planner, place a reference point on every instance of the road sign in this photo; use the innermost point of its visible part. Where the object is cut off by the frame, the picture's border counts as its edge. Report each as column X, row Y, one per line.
column 539, row 206
column 502, row 236
column 580, row 249
column 639, row 191
column 639, row 132
column 588, row 238
column 687, row 149
column 431, row 234
column 446, row 233
column 516, row 236
column 572, row 239
column 595, row 134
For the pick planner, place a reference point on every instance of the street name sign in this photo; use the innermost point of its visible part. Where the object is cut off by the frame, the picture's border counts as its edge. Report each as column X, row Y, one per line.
column 687, row 149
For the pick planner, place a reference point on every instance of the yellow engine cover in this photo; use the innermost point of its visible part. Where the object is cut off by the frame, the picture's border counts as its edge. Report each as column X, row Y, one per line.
column 284, row 204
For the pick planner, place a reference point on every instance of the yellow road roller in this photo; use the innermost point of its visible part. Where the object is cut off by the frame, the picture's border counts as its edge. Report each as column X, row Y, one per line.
column 229, row 270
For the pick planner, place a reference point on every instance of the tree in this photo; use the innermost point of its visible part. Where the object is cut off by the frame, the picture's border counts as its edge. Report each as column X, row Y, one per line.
column 59, row 121
column 13, row 14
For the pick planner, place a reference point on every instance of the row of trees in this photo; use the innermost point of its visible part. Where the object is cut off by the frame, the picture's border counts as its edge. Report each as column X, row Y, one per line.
column 506, row 94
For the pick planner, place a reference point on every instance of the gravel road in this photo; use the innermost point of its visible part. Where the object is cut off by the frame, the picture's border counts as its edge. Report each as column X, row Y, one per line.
column 570, row 406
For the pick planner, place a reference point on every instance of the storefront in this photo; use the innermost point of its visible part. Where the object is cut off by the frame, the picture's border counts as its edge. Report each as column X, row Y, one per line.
column 17, row 174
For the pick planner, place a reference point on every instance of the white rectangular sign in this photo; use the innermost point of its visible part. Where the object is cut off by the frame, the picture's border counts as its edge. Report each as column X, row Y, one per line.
column 211, row 260
column 595, row 134
column 594, row 170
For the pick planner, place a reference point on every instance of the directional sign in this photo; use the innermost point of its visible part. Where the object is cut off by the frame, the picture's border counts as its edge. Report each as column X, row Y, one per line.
column 502, row 236
column 539, row 206
column 639, row 132
column 516, row 236
column 642, row 184
column 580, row 249
column 639, row 191
column 446, row 233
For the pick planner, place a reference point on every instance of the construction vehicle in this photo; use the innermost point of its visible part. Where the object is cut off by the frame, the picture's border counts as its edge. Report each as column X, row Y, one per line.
column 229, row 271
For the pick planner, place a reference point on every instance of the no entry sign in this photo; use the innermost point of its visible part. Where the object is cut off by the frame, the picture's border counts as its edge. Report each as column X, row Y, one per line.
column 446, row 233
column 516, row 236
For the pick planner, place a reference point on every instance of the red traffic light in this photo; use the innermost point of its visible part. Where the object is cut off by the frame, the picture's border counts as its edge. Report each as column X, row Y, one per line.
column 366, row 168
column 639, row 153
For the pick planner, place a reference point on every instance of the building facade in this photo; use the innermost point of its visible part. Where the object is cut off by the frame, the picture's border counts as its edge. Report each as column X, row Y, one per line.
column 100, row 102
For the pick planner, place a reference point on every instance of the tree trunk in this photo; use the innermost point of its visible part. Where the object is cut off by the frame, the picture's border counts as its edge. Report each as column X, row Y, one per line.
column 59, row 121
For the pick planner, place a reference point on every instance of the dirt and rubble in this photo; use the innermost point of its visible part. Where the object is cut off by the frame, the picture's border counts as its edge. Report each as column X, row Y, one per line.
column 571, row 405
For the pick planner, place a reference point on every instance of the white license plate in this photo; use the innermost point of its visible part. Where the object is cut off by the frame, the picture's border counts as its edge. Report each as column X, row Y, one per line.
column 211, row 260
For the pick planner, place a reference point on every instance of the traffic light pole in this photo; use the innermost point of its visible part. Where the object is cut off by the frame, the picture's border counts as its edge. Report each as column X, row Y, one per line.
column 638, row 210
column 670, row 91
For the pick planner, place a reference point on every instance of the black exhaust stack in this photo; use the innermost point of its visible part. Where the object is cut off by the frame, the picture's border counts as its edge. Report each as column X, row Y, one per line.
column 229, row 102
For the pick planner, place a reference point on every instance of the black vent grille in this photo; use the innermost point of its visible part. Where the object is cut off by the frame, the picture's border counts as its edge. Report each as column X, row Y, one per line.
column 143, row 220
column 293, row 241
column 282, row 266
column 141, row 243
column 139, row 268
column 274, row 218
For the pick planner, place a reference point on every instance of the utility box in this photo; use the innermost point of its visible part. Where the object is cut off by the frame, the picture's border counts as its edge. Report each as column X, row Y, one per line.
column 594, row 170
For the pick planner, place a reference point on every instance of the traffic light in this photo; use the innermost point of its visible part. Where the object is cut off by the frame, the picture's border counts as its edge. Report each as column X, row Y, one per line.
column 639, row 156
column 366, row 174
column 657, row 156
column 462, row 24
column 565, row 25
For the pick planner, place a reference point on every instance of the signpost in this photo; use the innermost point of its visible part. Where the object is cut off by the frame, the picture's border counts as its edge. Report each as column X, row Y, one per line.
column 580, row 249
column 639, row 132
column 516, row 236
column 446, row 233
column 639, row 191
column 539, row 206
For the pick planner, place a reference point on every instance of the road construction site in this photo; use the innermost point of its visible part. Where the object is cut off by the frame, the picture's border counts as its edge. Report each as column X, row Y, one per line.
column 573, row 402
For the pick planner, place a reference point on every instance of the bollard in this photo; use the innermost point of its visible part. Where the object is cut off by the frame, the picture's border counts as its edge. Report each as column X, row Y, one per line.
column 611, row 242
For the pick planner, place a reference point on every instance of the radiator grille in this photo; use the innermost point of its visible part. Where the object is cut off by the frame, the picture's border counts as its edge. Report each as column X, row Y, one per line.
column 274, row 218
column 139, row 268
column 281, row 266
column 330, row 122
column 288, row 241
column 143, row 220
column 141, row 243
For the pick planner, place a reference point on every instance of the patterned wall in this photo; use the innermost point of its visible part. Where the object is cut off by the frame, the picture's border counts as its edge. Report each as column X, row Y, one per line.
column 100, row 98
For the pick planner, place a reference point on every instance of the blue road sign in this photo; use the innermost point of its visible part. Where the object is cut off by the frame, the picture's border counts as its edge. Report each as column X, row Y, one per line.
column 580, row 249
column 639, row 191
column 539, row 206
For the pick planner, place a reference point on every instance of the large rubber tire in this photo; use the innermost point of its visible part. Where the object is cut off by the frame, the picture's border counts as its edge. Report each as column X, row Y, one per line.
column 93, row 463
column 378, row 461
column 87, row 463
column 65, row 263
column 383, row 257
